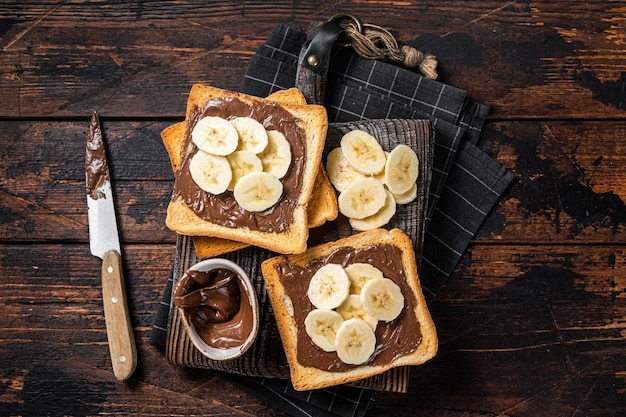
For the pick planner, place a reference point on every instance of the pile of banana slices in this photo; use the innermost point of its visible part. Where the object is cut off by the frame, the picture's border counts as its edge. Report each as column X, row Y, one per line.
column 371, row 181
column 239, row 155
column 349, row 304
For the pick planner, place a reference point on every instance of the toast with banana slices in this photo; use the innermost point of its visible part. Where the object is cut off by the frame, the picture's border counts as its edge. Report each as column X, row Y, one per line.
column 253, row 204
column 350, row 309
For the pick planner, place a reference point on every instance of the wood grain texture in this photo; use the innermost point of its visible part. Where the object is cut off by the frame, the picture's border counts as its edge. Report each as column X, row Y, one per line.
column 532, row 320
column 545, row 59
column 120, row 334
column 557, row 310
column 569, row 180
column 530, row 327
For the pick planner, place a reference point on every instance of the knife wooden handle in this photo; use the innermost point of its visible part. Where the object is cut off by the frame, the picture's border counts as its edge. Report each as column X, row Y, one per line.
column 117, row 318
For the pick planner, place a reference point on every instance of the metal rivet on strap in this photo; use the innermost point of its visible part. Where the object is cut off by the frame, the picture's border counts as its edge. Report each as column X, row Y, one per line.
column 313, row 60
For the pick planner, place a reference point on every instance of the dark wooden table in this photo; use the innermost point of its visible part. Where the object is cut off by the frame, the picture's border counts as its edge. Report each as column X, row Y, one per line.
column 533, row 320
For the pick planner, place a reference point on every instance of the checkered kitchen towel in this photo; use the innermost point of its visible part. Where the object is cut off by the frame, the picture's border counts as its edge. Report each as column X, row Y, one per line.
column 466, row 182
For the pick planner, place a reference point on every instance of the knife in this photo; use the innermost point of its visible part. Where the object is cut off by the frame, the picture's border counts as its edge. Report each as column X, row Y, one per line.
column 104, row 243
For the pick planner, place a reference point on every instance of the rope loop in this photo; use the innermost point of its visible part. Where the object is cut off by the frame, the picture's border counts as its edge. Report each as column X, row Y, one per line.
column 375, row 42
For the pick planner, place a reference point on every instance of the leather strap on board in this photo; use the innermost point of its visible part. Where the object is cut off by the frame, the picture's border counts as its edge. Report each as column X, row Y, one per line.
column 314, row 61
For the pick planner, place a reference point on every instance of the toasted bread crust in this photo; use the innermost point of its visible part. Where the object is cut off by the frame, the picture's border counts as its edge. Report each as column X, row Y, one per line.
column 307, row 377
column 313, row 121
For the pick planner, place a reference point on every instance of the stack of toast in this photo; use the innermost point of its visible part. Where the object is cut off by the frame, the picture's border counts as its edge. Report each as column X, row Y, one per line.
column 316, row 202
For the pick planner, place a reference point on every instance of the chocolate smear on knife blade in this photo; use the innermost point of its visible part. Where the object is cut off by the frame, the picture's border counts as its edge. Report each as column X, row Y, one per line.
column 96, row 167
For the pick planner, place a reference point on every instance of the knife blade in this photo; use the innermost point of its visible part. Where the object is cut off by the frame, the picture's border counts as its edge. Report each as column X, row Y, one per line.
column 105, row 244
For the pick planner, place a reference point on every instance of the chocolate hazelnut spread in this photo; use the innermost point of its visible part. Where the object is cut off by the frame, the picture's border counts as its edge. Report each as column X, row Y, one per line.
column 222, row 208
column 96, row 167
column 393, row 340
column 218, row 306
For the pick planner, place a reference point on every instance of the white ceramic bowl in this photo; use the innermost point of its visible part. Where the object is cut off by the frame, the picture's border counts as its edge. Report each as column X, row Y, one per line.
column 236, row 351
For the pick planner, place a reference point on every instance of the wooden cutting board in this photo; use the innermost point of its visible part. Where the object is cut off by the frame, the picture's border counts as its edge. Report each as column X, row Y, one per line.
column 266, row 357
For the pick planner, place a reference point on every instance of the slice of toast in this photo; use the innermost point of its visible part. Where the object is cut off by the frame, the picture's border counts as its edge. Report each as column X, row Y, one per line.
column 321, row 208
column 287, row 279
column 287, row 231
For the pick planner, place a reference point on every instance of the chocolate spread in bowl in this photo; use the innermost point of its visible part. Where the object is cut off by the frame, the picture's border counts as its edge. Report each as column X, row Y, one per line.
column 222, row 208
column 217, row 304
column 399, row 337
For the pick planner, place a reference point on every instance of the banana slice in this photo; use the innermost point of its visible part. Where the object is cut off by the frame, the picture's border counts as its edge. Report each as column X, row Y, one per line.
column 257, row 191
column 211, row 172
column 329, row 287
column 321, row 326
column 406, row 198
column 363, row 198
column 353, row 308
column 242, row 163
column 215, row 135
column 252, row 135
column 382, row 298
column 276, row 157
column 355, row 341
column 359, row 273
column 340, row 172
column 401, row 169
column 380, row 218
column 363, row 152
